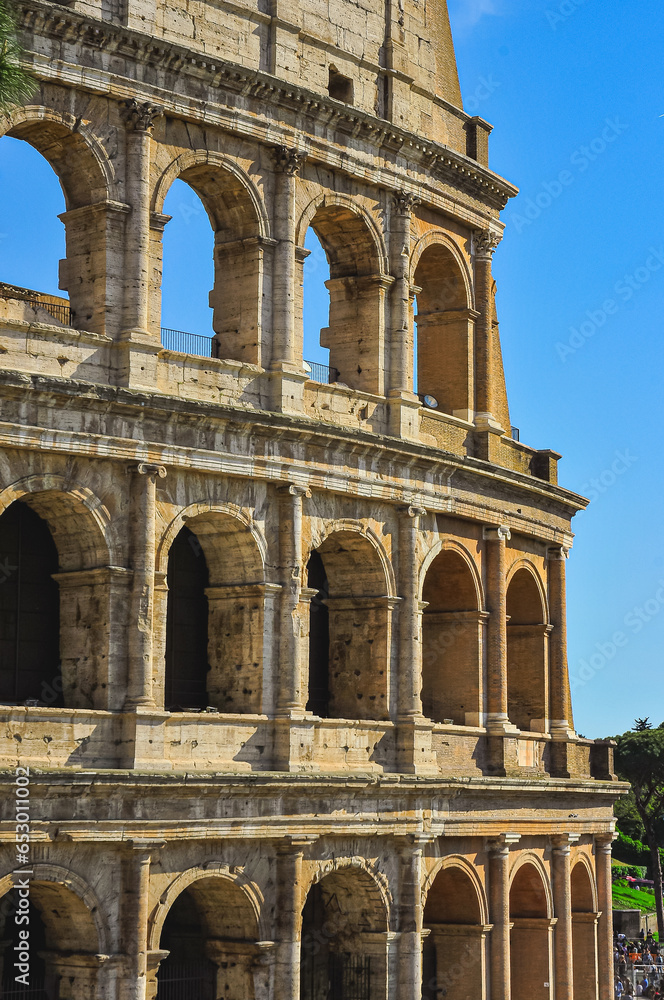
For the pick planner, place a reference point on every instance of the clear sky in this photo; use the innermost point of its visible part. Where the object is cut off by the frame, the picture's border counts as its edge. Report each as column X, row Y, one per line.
column 575, row 91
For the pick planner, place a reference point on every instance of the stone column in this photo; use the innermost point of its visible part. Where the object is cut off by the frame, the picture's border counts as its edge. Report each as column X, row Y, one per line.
column 286, row 363
column 484, row 243
column 288, row 918
column 562, row 901
column 405, row 405
column 143, row 514
column 292, row 680
column 135, row 910
column 561, row 702
column 410, row 921
column 140, row 119
column 497, row 721
column 499, row 907
column 605, row 900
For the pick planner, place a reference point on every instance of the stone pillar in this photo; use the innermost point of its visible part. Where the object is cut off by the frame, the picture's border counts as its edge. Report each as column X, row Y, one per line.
column 410, row 921
column 143, row 514
column 292, row 680
column 135, row 910
column 562, row 727
column 605, row 901
column 404, row 407
column 485, row 243
column 140, row 119
column 290, row 902
column 414, row 750
column 286, row 363
column 562, row 901
column 497, row 719
column 499, row 907
column 153, row 961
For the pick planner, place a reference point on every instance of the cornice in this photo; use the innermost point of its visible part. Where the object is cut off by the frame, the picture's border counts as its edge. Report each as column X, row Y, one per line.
column 51, row 20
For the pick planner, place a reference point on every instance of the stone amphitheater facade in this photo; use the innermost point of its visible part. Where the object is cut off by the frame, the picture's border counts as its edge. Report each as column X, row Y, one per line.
column 283, row 658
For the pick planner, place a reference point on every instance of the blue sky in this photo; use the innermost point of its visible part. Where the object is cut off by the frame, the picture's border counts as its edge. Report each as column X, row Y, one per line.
column 575, row 91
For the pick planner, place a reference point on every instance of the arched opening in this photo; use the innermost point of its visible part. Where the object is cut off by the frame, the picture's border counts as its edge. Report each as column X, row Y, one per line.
column 187, row 273
column 319, row 638
column 454, row 956
column 61, row 560
column 214, row 617
column 451, row 643
column 355, row 333
column 531, row 936
column 89, row 224
column 527, row 654
column 445, row 332
column 210, row 935
column 62, row 957
column 29, row 609
column 343, row 952
column 240, row 284
column 186, row 625
column 584, row 934
column 348, row 639
column 316, row 309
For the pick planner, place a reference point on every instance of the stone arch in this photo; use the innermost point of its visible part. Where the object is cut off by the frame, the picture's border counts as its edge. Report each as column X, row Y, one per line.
column 345, row 925
column 527, row 649
column 207, row 927
column 209, row 870
column 241, row 229
column 355, row 250
column 385, row 584
column 458, row 863
column 216, row 554
column 375, row 883
column 452, row 636
column 454, row 958
column 77, row 898
column 77, row 156
column 583, row 886
column 451, row 545
column 93, row 219
column 531, row 916
column 88, row 596
column 349, row 625
column 445, row 323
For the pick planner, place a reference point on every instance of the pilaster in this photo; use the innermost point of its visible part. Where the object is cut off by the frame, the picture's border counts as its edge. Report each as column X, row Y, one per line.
column 404, row 404
column 605, row 902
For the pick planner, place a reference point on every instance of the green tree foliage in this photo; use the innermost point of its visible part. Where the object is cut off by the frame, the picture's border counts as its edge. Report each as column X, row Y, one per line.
column 640, row 760
column 16, row 85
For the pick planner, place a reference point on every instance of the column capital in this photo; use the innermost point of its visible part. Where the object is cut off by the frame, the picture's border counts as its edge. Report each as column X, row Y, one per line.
column 502, row 843
column 287, row 160
column 148, row 469
column 496, row 533
column 293, row 490
column 140, row 117
column 403, row 202
column 603, row 841
column 412, row 510
column 558, row 553
column 561, row 843
column 485, row 242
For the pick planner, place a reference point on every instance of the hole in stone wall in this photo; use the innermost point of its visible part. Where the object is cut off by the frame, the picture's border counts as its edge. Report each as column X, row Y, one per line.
column 340, row 87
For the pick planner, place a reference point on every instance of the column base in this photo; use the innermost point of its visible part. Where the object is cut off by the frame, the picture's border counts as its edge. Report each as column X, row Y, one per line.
column 404, row 415
column 135, row 360
column 294, row 742
column 286, row 388
column 143, row 744
column 415, row 753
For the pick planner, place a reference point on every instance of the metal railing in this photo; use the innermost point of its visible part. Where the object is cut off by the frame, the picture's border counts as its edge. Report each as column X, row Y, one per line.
column 187, row 343
column 60, row 311
column 322, row 373
column 635, row 974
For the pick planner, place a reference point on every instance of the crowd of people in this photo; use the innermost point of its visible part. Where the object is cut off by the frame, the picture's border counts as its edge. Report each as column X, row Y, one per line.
column 639, row 967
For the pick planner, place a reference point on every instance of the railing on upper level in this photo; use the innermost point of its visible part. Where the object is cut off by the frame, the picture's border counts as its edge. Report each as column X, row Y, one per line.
column 321, row 373
column 59, row 309
column 187, row 343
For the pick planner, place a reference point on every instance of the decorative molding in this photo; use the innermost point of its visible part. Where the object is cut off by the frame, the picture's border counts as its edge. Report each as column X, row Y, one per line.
column 403, row 202
column 141, row 116
column 288, row 160
column 558, row 553
column 496, row 534
column 485, row 242
column 146, row 469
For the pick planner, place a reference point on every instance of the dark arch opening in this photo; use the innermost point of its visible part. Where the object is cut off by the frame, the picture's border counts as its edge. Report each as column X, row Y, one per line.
column 39, row 985
column 527, row 637
column 451, row 643
column 453, row 956
column 319, row 638
column 186, row 625
column 29, row 609
column 187, row 973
